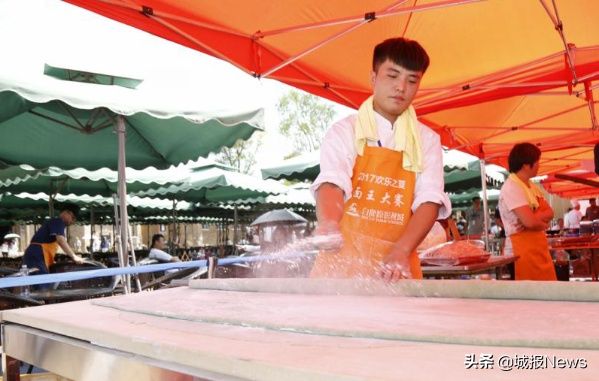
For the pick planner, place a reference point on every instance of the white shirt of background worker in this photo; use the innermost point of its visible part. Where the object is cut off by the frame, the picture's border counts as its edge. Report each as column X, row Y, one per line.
column 157, row 250
column 572, row 218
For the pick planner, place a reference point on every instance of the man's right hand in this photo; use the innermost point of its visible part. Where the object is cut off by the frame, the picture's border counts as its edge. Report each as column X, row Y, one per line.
column 327, row 236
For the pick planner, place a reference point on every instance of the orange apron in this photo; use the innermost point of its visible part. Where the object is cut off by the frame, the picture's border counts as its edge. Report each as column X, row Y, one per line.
column 49, row 250
column 535, row 262
column 374, row 217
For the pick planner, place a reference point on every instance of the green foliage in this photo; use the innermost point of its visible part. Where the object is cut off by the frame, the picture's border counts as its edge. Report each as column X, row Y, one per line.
column 304, row 119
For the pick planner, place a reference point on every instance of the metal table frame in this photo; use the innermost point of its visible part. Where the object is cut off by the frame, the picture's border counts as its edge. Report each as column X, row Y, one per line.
column 73, row 359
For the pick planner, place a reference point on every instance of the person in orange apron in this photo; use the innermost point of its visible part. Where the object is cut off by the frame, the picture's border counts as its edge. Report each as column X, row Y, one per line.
column 380, row 185
column 526, row 215
column 45, row 242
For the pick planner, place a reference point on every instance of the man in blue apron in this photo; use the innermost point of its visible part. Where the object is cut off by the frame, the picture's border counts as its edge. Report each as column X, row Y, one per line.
column 45, row 242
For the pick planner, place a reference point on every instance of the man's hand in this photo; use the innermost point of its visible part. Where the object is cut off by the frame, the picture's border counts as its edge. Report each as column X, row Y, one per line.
column 396, row 265
column 327, row 236
column 77, row 259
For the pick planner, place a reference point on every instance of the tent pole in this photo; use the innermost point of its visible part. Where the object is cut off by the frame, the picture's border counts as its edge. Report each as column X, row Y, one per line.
column 122, row 190
column 483, row 177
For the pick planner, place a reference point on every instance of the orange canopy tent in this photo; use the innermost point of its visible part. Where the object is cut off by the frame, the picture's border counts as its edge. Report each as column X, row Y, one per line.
column 561, row 120
column 487, row 58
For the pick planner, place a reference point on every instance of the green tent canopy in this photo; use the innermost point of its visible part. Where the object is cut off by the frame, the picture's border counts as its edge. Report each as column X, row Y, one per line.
column 80, row 181
column 216, row 184
column 468, row 180
column 49, row 122
column 460, row 170
column 300, row 168
column 463, row 201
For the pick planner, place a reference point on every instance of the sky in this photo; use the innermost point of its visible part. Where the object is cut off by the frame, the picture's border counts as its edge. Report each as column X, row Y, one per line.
column 62, row 35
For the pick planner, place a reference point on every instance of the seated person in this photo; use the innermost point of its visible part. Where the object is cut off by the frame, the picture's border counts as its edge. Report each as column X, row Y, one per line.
column 157, row 252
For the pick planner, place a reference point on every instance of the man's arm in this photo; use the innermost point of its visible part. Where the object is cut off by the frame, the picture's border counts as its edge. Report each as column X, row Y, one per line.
column 329, row 208
column 530, row 219
column 62, row 242
column 398, row 261
column 544, row 212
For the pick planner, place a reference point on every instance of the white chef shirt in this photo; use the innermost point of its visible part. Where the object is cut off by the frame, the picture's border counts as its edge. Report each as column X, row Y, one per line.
column 338, row 155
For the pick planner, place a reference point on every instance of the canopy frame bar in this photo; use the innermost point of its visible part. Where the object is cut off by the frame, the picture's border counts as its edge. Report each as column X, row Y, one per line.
column 153, row 15
column 390, row 11
column 590, row 102
column 559, row 27
column 83, row 128
column 367, row 18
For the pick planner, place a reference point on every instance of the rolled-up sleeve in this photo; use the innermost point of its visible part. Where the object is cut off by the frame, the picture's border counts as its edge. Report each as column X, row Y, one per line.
column 337, row 157
column 430, row 183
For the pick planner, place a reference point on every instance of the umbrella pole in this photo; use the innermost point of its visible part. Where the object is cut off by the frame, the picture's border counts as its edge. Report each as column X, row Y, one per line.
column 51, row 205
column 122, row 189
column 117, row 241
column 174, row 227
column 235, row 225
column 91, row 232
column 483, row 177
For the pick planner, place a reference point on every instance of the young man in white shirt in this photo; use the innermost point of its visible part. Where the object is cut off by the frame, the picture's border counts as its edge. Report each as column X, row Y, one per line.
column 381, row 175
column 525, row 215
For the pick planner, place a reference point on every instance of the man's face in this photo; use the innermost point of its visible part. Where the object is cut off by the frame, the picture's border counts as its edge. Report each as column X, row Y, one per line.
column 160, row 243
column 532, row 170
column 476, row 204
column 592, row 202
column 394, row 89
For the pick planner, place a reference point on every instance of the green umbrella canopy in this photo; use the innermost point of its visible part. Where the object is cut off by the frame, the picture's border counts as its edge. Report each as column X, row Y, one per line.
column 79, row 181
column 468, row 180
column 216, row 184
column 27, row 205
column 464, row 200
column 49, row 122
column 307, row 166
column 301, row 168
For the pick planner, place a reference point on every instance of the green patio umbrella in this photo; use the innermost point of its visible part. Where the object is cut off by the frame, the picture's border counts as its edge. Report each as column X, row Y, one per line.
column 307, row 167
column 80, row 181
column 29, row 205
column 72, row 125
column 469, row 180
column 464, row 200
column 301, row 168
column 45, row 121
column 215, row 184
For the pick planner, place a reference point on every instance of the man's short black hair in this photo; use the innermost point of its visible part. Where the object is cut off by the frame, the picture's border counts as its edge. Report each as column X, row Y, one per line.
column 476, row 198
column 523, row 153
column 156, row 238
column 403, row 52
column 69, row 207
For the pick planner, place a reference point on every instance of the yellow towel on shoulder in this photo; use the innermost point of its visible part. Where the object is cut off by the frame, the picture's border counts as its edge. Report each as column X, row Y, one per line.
column 532, row 192
column 407, row 139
